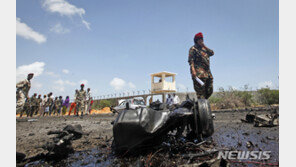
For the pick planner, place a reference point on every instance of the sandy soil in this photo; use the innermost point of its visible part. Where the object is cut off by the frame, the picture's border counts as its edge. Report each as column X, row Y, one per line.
column 30, row 136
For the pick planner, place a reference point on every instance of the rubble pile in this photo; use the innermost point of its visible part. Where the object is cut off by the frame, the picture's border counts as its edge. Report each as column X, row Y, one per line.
column 262, row 120
column 60, row 146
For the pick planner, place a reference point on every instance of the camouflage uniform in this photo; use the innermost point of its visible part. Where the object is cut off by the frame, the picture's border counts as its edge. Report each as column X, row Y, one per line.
column 59, row 105
column 50, row 105
column 201, row 59
column 55, row 106
column 22, row 92
column 33, row 105
column 39, row 100
column 80, row 100
column 26, row 108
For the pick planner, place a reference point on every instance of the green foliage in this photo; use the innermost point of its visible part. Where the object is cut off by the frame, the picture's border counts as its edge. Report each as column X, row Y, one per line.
column 245, row 96
column 104, row 103
column 232, row 98
column 214, row 99
column 228, row 98
column 268, row 96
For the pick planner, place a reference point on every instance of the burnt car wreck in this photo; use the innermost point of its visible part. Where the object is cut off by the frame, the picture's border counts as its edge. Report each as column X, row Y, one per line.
column 136, row 129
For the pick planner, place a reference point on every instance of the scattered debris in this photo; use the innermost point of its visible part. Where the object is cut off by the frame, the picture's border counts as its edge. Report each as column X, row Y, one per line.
column 249, row 144
column 262, row 120
column 60, row 147
column 32, row 120
column 20, row 156
column 270, row 138
column 246, row 133
column 212, row 162
column 266, row 120
column 249, row 118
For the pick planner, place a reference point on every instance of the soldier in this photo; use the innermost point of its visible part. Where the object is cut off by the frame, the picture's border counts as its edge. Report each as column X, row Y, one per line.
column 26, row 108
column 59, row 104
column 34, row 105
column 199, row 61
column 22, row 92
column 49, row 104
column 55, row 106
column 39, row 100
column 80, row 100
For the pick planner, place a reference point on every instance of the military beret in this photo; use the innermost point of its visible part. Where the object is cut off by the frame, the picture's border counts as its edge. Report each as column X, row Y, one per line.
column 31, row 74
column 82, row 85
column 198, row 35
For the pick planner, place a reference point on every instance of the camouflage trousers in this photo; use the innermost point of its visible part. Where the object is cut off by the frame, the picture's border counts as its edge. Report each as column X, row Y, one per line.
column 20, row 101
column 205, row 91
column 80, row 106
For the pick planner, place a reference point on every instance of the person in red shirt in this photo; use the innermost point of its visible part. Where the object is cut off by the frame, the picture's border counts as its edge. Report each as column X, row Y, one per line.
column 73, row 105
column 91, row 102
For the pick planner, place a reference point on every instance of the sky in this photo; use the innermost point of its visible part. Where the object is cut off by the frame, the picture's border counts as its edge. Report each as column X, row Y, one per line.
column 113, row 46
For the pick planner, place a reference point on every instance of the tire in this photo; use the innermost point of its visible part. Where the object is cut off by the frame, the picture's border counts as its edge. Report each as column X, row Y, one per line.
column 205, row 122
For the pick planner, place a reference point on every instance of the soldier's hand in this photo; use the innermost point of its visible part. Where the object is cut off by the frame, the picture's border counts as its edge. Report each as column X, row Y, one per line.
column 203, row 44
column 193, row 73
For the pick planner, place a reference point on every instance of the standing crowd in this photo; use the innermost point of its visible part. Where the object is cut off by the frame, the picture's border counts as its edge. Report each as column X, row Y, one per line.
column 48, row 105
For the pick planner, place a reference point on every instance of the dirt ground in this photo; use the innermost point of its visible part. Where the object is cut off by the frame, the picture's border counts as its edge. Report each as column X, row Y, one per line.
column 93, row 149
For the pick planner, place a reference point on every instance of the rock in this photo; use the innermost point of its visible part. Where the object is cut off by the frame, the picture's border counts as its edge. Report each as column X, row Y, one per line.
column 270, row 138
column 31, row 134
column 61, row 146
column 249, row 144
column 76, row 130
column 246, row 134
column 20, row 156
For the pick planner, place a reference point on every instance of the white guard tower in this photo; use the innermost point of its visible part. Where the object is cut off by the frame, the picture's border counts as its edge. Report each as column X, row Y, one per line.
column 163, row 82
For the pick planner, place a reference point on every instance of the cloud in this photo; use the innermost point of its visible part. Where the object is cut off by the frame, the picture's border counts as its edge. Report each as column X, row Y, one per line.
column 65, row 71
column 63, row 83
column 266, row 84
column 59, row 29
column 37, row 85
column 27, row 32
column 131, row 85
column 60, row 85
column 22, row 71
column 51, row 74
column 64, row 8
column 58, row 88
column 87, row 24
column 117, row 83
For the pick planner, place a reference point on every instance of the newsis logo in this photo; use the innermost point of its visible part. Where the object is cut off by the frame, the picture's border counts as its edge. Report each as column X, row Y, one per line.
column 262, row 155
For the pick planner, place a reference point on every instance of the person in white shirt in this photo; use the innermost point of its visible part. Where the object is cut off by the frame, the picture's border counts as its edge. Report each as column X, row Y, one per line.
column 87, row 101
column 43, row 105
column 169, row 100
column 176, row 99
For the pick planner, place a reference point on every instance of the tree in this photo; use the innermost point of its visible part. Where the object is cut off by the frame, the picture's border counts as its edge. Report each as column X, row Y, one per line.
column 268, row 96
